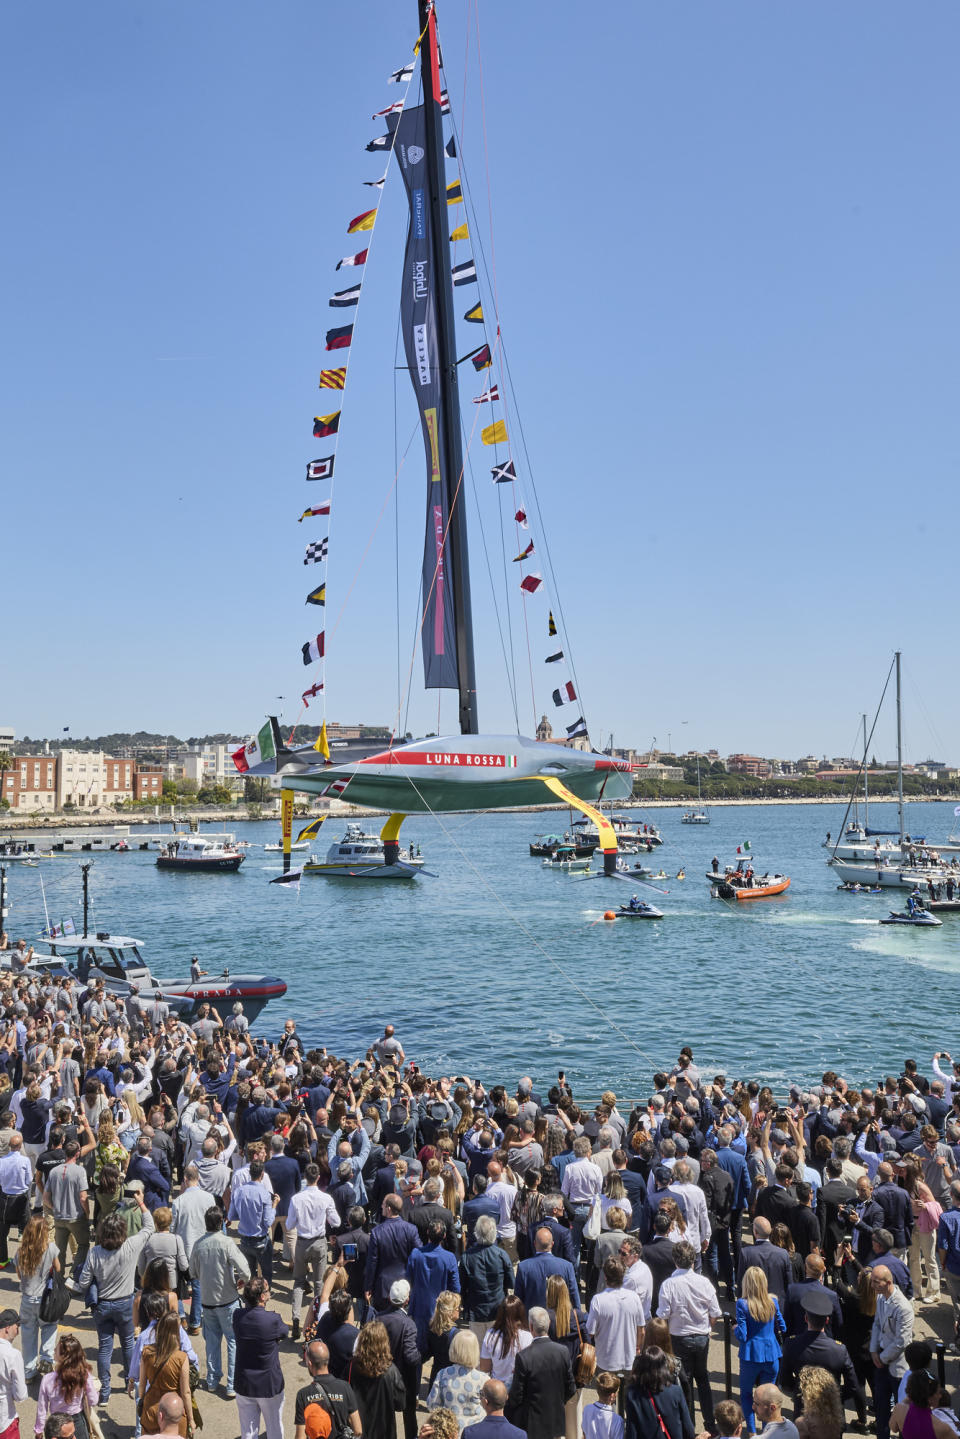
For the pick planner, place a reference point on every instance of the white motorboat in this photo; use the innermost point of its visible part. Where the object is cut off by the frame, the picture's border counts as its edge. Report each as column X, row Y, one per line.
column 199, row 854
column 361, row 856
column 278, row 848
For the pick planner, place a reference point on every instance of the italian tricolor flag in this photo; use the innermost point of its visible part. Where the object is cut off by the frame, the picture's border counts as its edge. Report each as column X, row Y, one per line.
column 257, row 751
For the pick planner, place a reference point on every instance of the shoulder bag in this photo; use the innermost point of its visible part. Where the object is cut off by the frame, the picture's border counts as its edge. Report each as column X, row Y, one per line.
column 55, row 1300
column 591, row 1230
column 586, row 1360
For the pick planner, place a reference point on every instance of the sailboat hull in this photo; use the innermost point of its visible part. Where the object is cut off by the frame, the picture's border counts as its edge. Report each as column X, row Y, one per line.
column 467, row 772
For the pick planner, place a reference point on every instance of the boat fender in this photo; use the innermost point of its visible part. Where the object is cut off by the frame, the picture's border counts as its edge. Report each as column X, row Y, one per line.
column 609, row 914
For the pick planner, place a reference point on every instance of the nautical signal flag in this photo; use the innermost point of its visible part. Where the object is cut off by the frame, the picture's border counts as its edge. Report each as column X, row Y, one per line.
column 340, row 339
column 317, row 596
column 315, row 552
column 313, row 649
column 495, row 434
column 482, row 358
column 531, row 583
column 565, row 695
column 326, row 424
column 552, row 626
column 579, row 727
column 454, row 193
column 291, row 879
column 323, row 509
column 376, row 184
column 492, row 394
column 444, row 103
column 475, row 316
column 450, row 148
column 311, row 830
column 399, row 76
column 382, row 142
column 464, row 274
column 366, row 221
column 460, row 233
column 320, row 469
column 322, row 745
column 502, row 474
column 342, row 298
column 521, row 519
column 393, row 109
column 552, row 659
column 312, row 693
column 360, row 258
column 333, row 379
column 524, row 554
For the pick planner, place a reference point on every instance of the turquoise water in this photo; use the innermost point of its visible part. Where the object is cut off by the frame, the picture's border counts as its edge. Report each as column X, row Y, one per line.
column 484, row 970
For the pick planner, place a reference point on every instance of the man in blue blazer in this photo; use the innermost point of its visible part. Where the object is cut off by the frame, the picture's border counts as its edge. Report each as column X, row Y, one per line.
column 493, row 1401
column 553, row 1220
column 530, row 1283
column 391, row 1244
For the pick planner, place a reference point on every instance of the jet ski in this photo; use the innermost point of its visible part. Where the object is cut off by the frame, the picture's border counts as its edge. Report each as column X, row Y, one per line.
column 643, row 911
column 918, row 919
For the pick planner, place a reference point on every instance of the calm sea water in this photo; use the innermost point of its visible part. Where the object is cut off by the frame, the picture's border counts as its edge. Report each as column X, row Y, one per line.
column 499, row 967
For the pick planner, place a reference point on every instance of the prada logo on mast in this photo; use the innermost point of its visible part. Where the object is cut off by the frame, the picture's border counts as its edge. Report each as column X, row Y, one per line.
column 430, row 419
column 414, row 154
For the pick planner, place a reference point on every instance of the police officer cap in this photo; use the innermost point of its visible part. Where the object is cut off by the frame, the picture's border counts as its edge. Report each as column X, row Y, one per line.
column 816, row 1300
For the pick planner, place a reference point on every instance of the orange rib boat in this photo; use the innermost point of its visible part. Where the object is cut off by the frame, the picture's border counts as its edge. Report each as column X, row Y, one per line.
column 765, row 886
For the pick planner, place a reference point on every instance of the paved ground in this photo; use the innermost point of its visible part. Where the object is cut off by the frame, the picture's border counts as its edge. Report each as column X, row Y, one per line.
column 220, row 1420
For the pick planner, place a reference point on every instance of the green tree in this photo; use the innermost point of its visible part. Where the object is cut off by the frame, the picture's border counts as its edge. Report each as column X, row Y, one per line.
column 169, row 791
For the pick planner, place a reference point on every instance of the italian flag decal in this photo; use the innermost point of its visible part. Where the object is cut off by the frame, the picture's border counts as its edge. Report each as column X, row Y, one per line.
column 511, row 761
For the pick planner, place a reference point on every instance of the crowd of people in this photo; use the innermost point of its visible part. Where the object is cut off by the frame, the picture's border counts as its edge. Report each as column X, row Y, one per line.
column 457, row 1258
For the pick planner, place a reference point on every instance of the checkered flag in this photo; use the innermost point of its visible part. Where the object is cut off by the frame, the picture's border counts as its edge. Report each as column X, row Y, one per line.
column 315, row 552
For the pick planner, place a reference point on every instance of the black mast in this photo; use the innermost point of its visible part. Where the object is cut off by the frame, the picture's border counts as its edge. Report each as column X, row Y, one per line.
column 456, row 542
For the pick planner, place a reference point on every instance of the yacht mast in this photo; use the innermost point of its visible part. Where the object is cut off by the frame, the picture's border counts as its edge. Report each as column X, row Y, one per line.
column 866, row 781
column 899, row 756
column 456, row 539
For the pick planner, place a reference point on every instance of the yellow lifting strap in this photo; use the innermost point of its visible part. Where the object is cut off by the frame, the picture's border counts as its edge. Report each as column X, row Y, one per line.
column 391, row 830
column 608, row 835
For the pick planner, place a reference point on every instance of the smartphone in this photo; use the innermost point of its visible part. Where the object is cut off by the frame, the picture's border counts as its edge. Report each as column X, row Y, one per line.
column 349, row 1252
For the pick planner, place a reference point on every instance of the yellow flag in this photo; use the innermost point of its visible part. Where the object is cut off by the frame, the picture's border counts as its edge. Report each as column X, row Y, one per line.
column 494, row 434
column 460, row 233
column 321, row 745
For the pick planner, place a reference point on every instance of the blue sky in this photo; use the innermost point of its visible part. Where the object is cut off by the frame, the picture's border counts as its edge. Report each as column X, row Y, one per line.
column 726, row 249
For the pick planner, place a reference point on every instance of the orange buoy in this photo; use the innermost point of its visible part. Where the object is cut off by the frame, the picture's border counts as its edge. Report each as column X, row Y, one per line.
column 609, row 914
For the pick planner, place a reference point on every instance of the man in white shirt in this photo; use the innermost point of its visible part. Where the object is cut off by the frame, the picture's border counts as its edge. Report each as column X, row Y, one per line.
column 693, row 1202
column 311, row 1213
column 505, row 1194
column 637, row 1276
column 615, row 1322
column 688, row 1302
column 16, row 1177
column 582, row 1182
column 13, row 1385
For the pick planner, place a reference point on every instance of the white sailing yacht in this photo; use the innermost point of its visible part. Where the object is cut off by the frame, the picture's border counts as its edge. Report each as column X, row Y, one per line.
column 698, row 815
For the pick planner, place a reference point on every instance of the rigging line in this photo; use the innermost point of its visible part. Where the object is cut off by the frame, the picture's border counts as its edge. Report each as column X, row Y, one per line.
column 506, row 590
column 548, row 556
column 496, row 314
column 497, row 347
column 496, row 607
column 396, row 513
column 336, row 448
column 526, row 932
